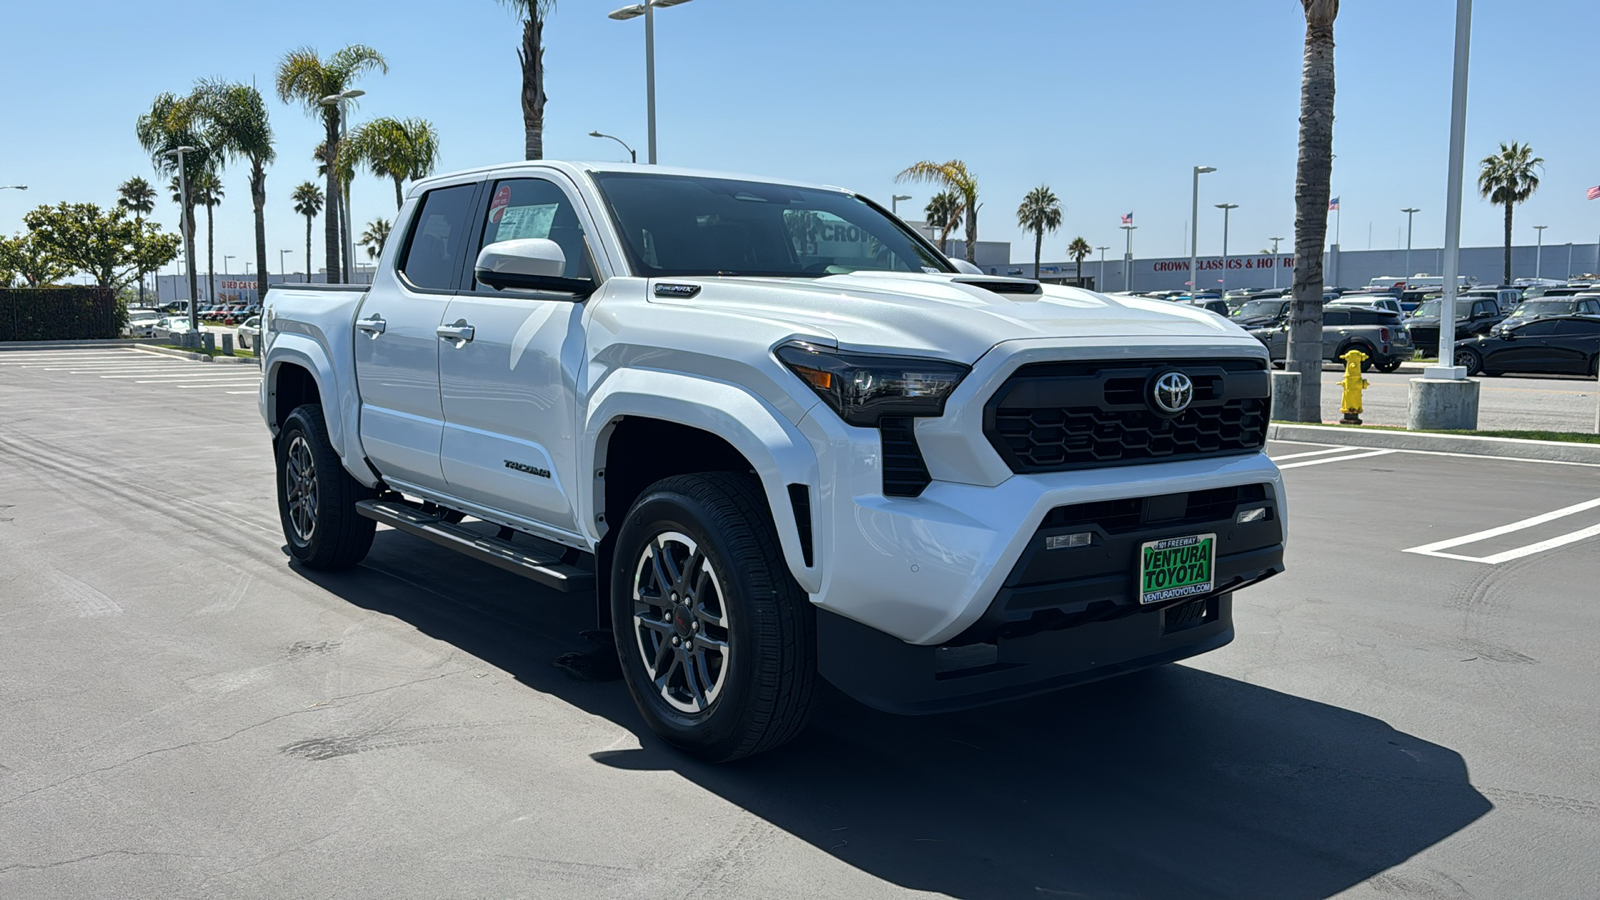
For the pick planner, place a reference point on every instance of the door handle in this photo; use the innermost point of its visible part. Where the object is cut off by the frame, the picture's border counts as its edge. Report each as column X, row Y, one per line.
column 458, row 331
column 373, row 325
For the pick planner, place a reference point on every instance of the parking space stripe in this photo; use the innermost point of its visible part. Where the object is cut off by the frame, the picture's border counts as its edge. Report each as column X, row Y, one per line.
column 1435, row 548
column 1312, row 453
column 1335, row 459
column 210, row 384
column 167, row 377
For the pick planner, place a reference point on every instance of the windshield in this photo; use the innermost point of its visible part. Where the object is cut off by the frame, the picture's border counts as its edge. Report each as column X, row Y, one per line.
column 1259, row 308
column 1533, row 308
column 1431, row 308
column 675, row 225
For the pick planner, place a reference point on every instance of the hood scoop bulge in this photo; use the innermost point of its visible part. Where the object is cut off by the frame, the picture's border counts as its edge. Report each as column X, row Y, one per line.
column 1003, row 285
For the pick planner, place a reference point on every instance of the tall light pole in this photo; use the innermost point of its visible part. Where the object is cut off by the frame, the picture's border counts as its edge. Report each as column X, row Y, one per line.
column 894, row 202
column 1410, row 212
column 1226, row 208
column 1100, row 277
column 225, row 259
column 631, row 154
column 1127, row 260
column 188, row 242
column 647, row 9
column 283, row 273
column 341, row 100
column 1275, row 261
column 1538, row 255
column 1451, row 264
column 1194, row 234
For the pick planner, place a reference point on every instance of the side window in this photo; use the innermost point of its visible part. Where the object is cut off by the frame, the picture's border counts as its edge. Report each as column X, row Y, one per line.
column 1590, row 307
column 1578, row 326
column 438, row 236
column 1335, row 318
column 522, row 208
column 1537, row 329
column 1483, row 308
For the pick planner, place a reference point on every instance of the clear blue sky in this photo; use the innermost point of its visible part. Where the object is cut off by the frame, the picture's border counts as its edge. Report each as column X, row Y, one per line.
column 1108, row 103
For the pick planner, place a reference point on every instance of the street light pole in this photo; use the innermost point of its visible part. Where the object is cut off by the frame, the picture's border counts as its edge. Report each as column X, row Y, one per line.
column 283, row 273
column 1275, row 261
column 1226, row 208
column 1410, row 212
column 188, row 242
column 1538, row 255
column 1194, row 235
column 631, row 154
column 1100, row 277
column 341, row 99
column 1446, row 368
column 894, row 203
column 647, row 9
column 1127, row 260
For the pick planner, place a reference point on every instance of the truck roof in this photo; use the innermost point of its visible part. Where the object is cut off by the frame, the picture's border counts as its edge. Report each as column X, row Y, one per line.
column 574, row 169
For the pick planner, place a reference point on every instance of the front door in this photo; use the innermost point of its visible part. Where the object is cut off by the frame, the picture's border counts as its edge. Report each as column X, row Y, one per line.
column 397, row 345
column 509, row 375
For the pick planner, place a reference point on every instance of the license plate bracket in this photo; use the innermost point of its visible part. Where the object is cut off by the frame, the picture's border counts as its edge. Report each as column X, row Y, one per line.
column 1177, row 567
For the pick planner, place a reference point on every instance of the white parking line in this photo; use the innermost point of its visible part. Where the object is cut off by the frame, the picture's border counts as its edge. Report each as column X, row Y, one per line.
column 1334, row 459
column 1561, row 540
column 167, row 377
column 211, row 384
column 1313, row 453
column 243, row 392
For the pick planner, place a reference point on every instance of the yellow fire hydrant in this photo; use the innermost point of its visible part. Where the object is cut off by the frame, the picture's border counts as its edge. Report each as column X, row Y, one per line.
column 1354, row 384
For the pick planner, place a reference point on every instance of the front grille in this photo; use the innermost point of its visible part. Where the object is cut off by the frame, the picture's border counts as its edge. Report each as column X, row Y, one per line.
column 1134, row 513
column 1053, row 417
column 904, row 472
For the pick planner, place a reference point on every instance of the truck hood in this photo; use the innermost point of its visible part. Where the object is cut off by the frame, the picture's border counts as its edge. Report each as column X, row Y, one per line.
column 957, row 317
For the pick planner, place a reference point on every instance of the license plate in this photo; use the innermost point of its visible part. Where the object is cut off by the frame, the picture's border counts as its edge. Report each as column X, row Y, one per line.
column 1177, row 567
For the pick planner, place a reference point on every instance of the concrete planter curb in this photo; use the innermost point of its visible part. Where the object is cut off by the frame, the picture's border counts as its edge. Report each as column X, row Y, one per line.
column 201, row 357
column 69, row 345
column 1512, row 448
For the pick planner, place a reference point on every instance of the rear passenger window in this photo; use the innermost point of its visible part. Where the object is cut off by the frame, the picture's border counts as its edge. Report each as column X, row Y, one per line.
column 438, row 238
column 1578, row 326
column 1337, row 318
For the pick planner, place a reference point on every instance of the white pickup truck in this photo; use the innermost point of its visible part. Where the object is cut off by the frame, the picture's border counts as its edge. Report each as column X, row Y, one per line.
column 780, row 436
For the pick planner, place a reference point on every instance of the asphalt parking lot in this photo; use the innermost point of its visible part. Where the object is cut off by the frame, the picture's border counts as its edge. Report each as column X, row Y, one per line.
column 1409, row 711
column 1508, row 402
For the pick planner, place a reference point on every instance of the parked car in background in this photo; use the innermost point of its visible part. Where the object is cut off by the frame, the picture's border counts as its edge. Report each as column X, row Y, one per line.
column 1370, row 301
column 249, row 333
column 1377, row 333
column 1261, row 313
column 1545, row 307
column 171, row 326
column 1472, row 317
column 141, row 323
column 1568, row 345
column 1507, row 297
column 1216, row 305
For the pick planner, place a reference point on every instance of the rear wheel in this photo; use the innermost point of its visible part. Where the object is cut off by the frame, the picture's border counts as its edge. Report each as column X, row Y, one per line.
column 1388, row 365
column 716, row 640
column 1470, row 360
column 317, row 497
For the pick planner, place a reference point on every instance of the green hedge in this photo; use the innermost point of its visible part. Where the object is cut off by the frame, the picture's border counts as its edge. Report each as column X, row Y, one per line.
column 59, row 314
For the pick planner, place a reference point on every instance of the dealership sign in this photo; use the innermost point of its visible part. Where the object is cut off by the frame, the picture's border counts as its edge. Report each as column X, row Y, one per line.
column 1216, row 263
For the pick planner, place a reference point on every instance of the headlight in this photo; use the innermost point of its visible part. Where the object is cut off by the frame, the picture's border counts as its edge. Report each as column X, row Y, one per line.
column 862, row 388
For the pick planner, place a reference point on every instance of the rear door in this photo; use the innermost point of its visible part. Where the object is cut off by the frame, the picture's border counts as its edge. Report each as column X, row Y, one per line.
column 1530, row 349
column 397, row 344
column 1575, row 344
column 509, row 384
column 1335, row 326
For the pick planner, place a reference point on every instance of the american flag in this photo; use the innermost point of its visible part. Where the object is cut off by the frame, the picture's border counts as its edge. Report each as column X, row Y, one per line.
column 1594, row 192
column 1128, row 219
column 1333, row 204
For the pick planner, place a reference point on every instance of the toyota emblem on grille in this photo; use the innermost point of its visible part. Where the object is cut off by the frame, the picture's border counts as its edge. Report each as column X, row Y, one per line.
column 1172, row 392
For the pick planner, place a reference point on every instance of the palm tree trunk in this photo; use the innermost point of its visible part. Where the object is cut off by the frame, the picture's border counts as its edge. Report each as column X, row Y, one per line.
column 258, row 198
column 1508, row 243
column 211, row 254
column 1313, row 171
column 308, row 249
column 531, row 55
column 1038, row 248
column 138, row 221
column 188, row 246
column 972, row 231
column 399, row 196
column 331, row 219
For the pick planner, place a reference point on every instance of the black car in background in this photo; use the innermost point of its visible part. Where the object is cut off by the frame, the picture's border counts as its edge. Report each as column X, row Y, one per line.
column 1566, row 345
column 1545, row 307
column 1473, row 316
column 1261, row 313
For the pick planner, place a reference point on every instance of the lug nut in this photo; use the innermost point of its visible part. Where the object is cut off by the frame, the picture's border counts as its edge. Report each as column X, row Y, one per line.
column 676, row 641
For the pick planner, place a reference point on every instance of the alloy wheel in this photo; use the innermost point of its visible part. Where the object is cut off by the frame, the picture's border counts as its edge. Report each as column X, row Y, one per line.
column 681, row 622
column 300, row 488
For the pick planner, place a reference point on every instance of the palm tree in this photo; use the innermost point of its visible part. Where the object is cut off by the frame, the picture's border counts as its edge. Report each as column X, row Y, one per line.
column 347, row 174
column 207, row 191
column 953, row 177
column 305, row 77
column 239, row 122
column 139, row 198
column 174, row 122
column 943, row 212
column 308, row 202
column 1079, row 250
column 1040, row 212
column 1508, row 178
column 374, row 237
column 393, row 148
column 533, row 13
column 1312, row 173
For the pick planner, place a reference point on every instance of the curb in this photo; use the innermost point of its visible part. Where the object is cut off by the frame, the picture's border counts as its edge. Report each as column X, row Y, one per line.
column 1473, row 445
column 201, row 357
column 69, row 345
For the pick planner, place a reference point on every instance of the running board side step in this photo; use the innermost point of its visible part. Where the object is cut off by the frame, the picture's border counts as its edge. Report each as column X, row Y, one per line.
column 544, row 568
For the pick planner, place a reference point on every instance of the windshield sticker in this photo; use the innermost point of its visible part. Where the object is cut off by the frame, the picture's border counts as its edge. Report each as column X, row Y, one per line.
column 502, row 199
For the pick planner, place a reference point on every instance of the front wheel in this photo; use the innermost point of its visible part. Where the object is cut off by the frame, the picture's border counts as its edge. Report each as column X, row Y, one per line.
column 317, row 497
column 1469, row 360
column 716, row 640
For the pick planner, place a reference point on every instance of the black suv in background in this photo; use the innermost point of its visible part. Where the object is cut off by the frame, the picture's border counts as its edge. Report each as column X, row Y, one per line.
column 1473, row 316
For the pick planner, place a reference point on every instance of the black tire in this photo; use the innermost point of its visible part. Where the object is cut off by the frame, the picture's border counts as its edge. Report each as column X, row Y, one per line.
column 765, row 681
column 1388, row 365
column 1594, row 366
column 334, row 536
column 1470, row 360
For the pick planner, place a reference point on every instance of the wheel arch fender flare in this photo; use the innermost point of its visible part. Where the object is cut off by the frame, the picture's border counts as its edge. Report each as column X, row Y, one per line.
column 775, row 449
column 341, row 406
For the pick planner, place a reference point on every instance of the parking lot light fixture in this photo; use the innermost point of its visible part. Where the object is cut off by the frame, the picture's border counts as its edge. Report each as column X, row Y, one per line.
column 1226, row 208
column 283, row 274
column 13, row 187
column 894, row 202
column 1100, row 277
column 647, row 10
column 1275, row 261
column 342, row 100
column 1451, row 264
column 1538, row 253
column 1410, row 212
column 1127, row 260
column 631, row 153
column 1194, row 234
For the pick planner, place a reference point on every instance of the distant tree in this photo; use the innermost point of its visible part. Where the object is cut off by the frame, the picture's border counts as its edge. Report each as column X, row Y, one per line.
column 1313, row 171
column 174, row 122
column 400, row 149
column 23, row 258
column 944, row 212
column 207, row 190
column 138, row 197
column 533, row 13
column 1040, row 212
column 308, row 202
column 305, row 77
column 1508, row 178
column 242, row 130
column 952, row 176
column 1079, row 250
column 375, row 236
column 103, row 244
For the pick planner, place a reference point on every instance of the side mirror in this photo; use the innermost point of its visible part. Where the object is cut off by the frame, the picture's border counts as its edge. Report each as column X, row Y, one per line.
column 965, row 267
column 533, row 264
